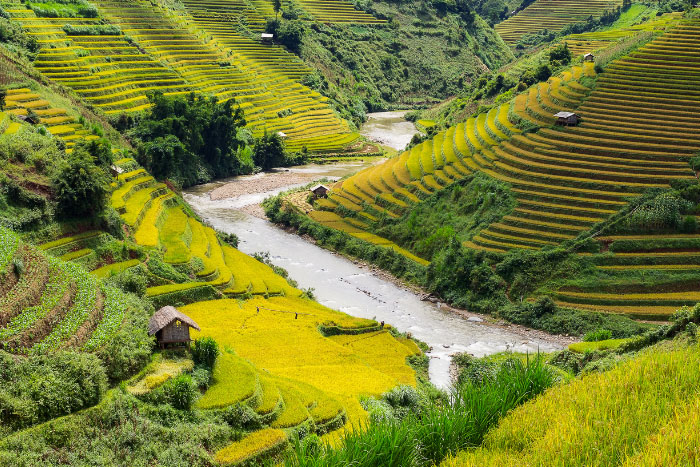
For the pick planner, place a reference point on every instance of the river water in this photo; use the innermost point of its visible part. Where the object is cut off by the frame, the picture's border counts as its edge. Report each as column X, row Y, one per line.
column 344, row 285
column 389, row 129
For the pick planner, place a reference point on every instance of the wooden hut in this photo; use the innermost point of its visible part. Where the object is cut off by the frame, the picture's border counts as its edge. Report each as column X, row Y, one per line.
column 567, row 118
column 171, row 327
column 320, row 191
column 589, row 57
column 266, row 38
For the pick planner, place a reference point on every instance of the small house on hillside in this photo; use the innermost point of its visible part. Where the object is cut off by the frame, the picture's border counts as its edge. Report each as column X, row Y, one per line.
column 567, row 118
column 266, row 38
column 320, row 191
column 171, row 327
column 589, row 57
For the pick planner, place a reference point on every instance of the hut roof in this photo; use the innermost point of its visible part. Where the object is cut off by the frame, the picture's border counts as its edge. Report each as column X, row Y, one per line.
column 588, row 55
column 320, row 186
column 564, row 114
column 267, row 36
column 167, row 315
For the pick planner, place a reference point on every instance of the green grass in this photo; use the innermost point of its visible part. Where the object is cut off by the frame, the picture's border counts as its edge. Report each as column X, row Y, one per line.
column 600, row 419
column 426, row 435
column 608, row 344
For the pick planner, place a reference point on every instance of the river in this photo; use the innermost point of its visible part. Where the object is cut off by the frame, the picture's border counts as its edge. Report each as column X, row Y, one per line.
column 345, row 285
column 389, row 129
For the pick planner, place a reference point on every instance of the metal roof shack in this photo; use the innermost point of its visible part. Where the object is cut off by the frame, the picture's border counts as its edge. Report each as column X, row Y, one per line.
column 267, row 38
column 320, row 191
column 567, row 118
column 589, row 57
column 171, row 327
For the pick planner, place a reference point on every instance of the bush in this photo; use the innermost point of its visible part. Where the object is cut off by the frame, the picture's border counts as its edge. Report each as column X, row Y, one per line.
column 205, row 351
column 80, row 187
column 599, row 335
column 269, row 151
column 42, row 387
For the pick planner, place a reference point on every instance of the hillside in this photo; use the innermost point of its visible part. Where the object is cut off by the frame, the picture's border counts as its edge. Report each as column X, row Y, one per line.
column 590, row 231
column 421, row 56
column 572, row 185
column 633, row 414
column 114, row 58
column 551, row 15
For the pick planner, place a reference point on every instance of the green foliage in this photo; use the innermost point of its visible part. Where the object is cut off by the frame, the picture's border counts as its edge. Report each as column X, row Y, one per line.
column 92, row 30
column 428, row 432
column 598, row 335
column 13, row 34
column 64, row 9
column 42, row 387
column 80, row 186
column 288, row 33
column 269, row 151
column 190, row 139
column 460, row 211
column 205, row 351
column 121, row 431
column 129, row 349
column 561, row 54
column 421, row 56
column 558, row 320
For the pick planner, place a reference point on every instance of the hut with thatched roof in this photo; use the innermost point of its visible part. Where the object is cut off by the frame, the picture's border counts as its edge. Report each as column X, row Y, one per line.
column 171, row 327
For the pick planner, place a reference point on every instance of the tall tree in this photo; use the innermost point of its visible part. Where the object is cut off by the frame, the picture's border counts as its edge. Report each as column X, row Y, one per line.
column 277, row 5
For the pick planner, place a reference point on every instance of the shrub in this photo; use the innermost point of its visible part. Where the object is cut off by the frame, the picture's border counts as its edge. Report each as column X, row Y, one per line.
column 598, row 335
column 205, row 351
column 180, row 392
column 80, row 186
column 42, row 387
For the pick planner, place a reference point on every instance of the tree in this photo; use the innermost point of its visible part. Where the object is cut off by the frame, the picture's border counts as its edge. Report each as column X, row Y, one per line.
column 561, row 54
column 80, row 187
column 277, row 6
column 190, row 139
column 695, row 164
column 269, row 151
column 290, row 34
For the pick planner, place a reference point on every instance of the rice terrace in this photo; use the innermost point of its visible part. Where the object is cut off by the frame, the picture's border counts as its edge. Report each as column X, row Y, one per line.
column 349, row 233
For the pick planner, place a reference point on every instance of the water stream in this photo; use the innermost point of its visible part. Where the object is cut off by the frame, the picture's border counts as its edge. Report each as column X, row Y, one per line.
column 389, row 129
column 344, row 285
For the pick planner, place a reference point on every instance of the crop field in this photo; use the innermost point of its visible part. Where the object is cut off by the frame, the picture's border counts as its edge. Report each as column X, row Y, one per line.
column 279, row 364
column 634, row 414
column 20, row 101
column 567, row 179
column 52, row 304
column 133, row 48
column 491, row 143
column 552, row 15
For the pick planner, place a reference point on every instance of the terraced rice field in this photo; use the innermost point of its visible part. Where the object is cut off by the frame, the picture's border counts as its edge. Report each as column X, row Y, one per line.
column 158, row 50
column 291, row 374
column 552, row 15
column 490, row 143
column 20, row 101
column 337, row 11
column 637, row 132
column 157, row 219
column 52, row 304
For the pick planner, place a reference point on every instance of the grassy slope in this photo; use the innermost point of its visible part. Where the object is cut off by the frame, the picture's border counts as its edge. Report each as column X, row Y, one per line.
column 636, row 414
